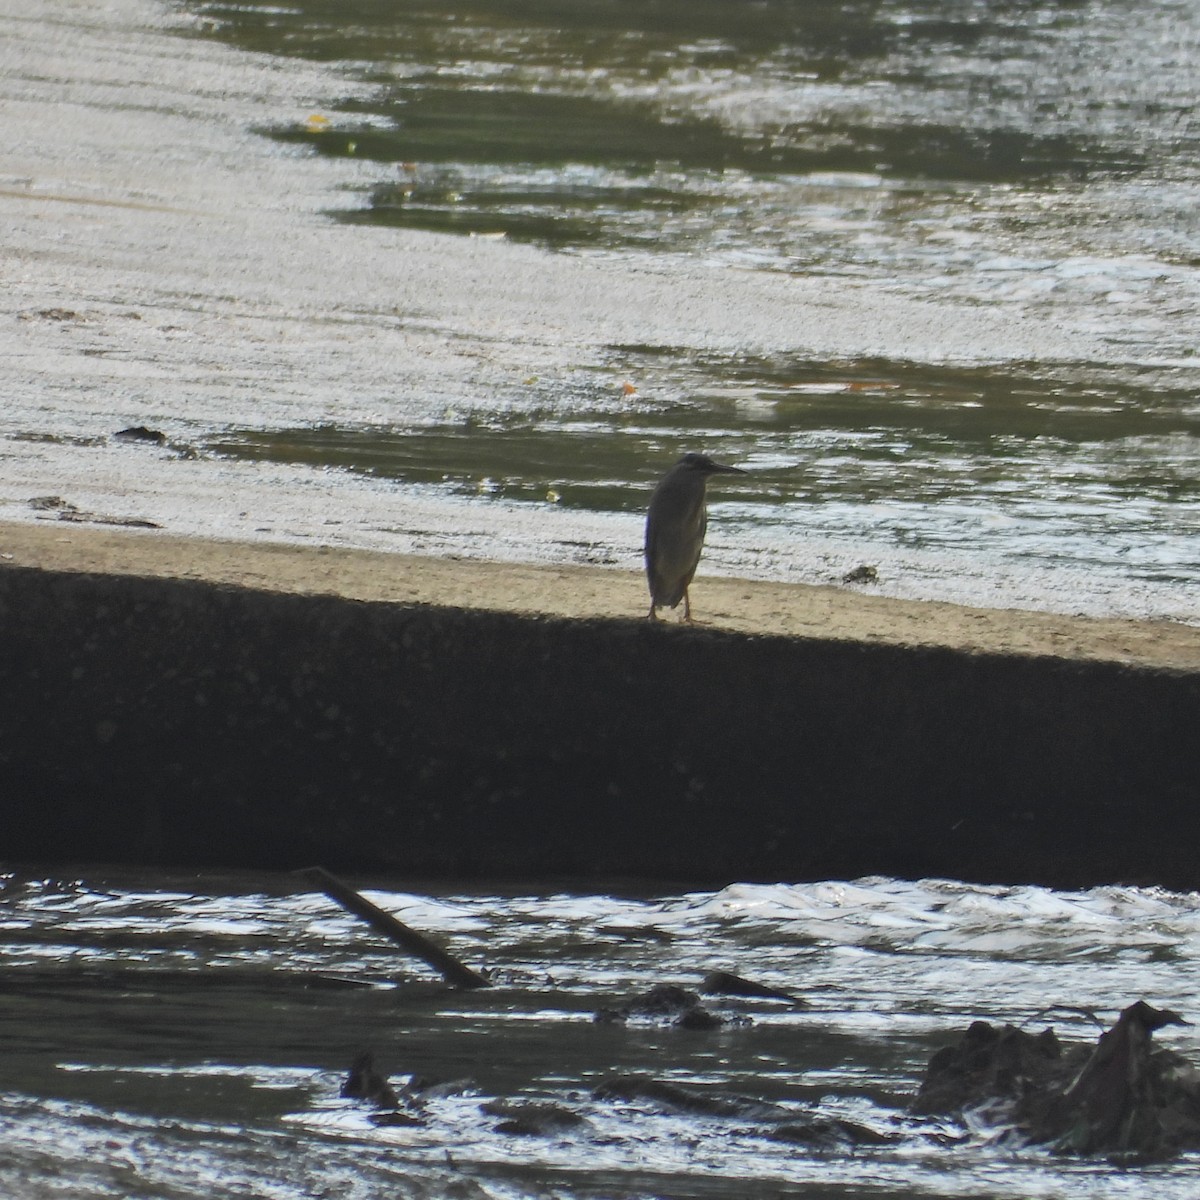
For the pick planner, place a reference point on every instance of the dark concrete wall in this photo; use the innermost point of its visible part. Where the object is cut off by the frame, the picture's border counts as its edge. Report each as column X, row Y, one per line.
column 178, row 722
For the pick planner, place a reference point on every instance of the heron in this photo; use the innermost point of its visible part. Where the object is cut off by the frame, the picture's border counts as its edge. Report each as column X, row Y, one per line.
column 675, row 525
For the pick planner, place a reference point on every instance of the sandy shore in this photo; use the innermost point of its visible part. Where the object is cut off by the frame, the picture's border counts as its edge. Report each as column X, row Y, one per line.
column 754, row 607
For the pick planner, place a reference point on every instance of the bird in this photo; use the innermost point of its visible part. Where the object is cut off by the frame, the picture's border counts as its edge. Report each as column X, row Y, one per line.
column 676, row 522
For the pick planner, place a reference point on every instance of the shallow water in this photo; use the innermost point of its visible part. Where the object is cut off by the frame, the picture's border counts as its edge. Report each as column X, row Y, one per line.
column 935, row 461
column 1039, row 159
column 187, row 1036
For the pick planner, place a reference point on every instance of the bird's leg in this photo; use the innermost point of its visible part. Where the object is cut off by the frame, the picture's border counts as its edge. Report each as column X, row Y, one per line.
column 687, row 606
column 652, row 615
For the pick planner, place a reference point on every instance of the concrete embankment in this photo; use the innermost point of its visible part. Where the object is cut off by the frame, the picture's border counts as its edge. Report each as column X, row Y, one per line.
column 186, row 721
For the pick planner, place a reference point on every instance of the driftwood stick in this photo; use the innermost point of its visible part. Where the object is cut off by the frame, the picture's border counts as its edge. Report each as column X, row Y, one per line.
column 415, row 943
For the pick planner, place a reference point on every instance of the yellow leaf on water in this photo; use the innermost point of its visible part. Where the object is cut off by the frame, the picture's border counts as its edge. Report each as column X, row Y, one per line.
column 316, row 122
column 628, row 389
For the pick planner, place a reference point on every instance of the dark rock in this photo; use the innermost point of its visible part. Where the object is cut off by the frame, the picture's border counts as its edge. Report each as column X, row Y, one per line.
column 865, row 573
column 723, row 983
column 699, row 1018
column 662, row 1000
column 989, row 1064
column 695, row 1100
column 831, row 1134
column 665, row 1002
column 1119, row 1097
column 1127, row 1099
column 139, row 433
column 420, row 1089
column 394, row 1117
column 531, row 1119
column 365, row 1083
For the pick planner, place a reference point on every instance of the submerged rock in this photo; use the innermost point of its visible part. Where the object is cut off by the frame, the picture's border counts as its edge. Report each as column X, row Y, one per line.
column 532, row 1118
column 392, row 1118
column 662, row 1000
column 695, row 1100
column 405, row 1105
column 863, row 573
column 724, row 983
column 140, row 433
column 365, row 1083
column 666, row 1002
column 700, row 1018
column 831, row 1134
column 419, row 1089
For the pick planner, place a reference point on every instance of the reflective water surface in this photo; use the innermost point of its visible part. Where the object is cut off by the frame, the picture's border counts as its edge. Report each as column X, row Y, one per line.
column 1038, row 158
column 188, row 1036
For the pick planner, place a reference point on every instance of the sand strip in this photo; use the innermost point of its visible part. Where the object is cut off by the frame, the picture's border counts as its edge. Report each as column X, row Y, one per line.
column 745, row 606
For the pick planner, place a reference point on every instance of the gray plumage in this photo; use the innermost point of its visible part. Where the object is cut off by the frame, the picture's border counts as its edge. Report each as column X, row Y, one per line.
column 675, row 526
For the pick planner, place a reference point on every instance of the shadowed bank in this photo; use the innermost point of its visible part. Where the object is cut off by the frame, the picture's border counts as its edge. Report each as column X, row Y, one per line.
column 166, row 721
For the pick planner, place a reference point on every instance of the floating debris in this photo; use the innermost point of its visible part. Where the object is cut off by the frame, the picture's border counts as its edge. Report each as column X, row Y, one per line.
column 64, row 510
column 62, row 315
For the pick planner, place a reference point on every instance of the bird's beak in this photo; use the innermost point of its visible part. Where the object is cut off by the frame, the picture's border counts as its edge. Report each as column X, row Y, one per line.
column 721, row 469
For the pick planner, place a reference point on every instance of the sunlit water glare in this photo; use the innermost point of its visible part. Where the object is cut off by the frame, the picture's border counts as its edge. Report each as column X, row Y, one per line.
column 188, row 1037
column 1039, row 158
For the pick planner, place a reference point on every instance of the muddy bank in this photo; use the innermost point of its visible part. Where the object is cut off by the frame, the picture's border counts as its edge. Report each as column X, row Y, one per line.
column 186, row 721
